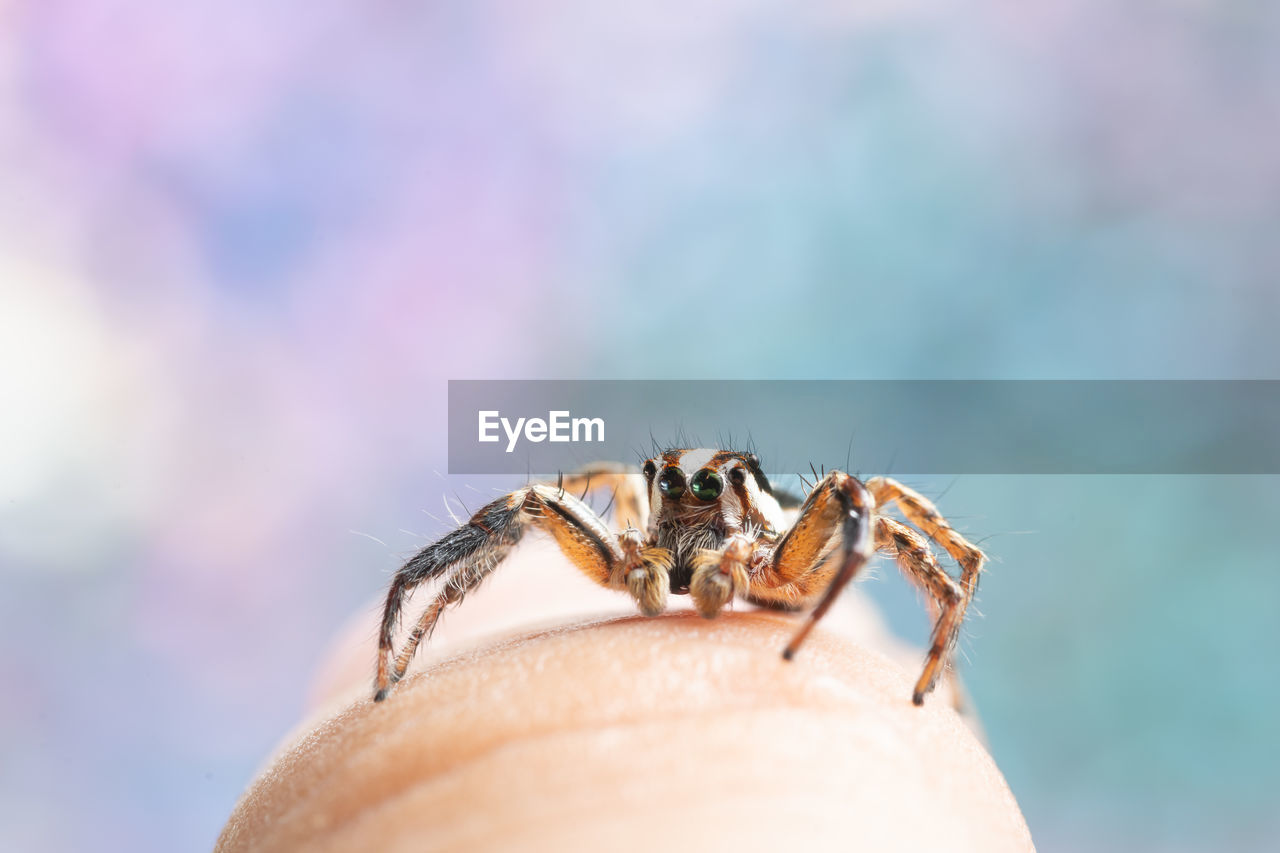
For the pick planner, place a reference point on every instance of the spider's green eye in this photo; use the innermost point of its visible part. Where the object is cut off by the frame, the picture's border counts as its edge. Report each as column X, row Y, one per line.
column 706, row 485
column 671, row 483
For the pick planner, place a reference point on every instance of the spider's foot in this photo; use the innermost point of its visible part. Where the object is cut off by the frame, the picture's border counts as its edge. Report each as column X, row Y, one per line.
column 798, row 639
column 381, row 694
column 928, row 680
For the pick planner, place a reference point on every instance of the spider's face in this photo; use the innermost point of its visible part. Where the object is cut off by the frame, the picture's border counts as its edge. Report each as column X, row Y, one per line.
column 702, row 485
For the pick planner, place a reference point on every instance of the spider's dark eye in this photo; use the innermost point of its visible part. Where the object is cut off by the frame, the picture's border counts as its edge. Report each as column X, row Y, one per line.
column 650, row 469
column 706, row 485
column 737, row 476
column 671, row 483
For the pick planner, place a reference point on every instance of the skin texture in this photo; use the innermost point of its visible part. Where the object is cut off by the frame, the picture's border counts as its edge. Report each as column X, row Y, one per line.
column 627, row 733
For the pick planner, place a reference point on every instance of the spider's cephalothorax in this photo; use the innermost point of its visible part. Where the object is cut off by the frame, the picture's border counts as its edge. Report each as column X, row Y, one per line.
column 699, row 498
column 705, row 523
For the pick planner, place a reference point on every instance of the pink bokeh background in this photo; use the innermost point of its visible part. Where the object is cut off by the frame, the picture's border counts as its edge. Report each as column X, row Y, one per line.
column 243, row 247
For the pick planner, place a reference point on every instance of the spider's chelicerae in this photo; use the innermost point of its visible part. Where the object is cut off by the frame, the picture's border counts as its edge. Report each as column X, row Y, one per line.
column 707, row 524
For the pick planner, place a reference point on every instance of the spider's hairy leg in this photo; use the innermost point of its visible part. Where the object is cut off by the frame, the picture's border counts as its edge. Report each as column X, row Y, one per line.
column 947, row 599
column 451, row 593
column 719, row 575
column 852, row 522
column 630, row 504
column 466, row 556
column 802, row 564
column 921, row 512
column 482, row 542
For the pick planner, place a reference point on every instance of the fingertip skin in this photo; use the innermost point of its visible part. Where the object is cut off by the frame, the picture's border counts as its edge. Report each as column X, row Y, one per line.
column 774, row 758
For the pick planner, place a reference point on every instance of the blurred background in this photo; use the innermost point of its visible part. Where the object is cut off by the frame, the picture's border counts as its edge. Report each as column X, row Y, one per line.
column 244, row 245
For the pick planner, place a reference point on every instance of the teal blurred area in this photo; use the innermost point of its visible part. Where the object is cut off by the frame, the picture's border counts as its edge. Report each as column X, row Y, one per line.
column 243, row 246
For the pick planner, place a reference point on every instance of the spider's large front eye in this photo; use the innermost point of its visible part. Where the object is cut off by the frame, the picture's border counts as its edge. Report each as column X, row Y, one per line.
column 671, row 483
column 706, row 485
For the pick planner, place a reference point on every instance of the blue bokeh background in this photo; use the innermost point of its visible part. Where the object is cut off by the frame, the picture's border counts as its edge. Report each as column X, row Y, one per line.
column 244, row 245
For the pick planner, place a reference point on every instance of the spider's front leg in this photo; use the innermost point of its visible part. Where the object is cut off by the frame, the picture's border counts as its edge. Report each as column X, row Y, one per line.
column 465, row 557
column 823, row 550
column 830, row 535
column 841, row 507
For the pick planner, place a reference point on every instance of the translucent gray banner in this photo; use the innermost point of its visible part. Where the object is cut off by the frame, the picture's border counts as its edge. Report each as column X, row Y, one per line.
column 540, row 427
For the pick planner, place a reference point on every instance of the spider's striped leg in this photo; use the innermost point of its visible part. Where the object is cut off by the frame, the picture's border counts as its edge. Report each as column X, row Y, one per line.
column 921, row 512
column 452, row 592
column 466, row 556
column 816, row 548
column 946, row 598
column 856, row 547
column 482, row 542
column 630, row 503
column 838, row 512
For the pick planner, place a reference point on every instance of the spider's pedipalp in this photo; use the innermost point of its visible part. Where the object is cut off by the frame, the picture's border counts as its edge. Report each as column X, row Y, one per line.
column 719, row 575
column 644, row 571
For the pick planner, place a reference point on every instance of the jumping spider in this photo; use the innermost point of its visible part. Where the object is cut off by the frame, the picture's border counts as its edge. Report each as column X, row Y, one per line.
column 715, row 533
